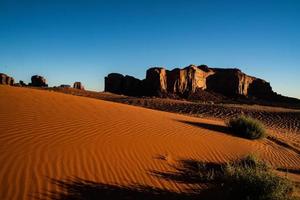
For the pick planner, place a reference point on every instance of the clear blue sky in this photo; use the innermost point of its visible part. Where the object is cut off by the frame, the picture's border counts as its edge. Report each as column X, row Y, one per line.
column 74, row 40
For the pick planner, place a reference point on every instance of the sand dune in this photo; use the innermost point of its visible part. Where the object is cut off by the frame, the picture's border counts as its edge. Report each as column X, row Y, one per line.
column 46, row 135
column 277, row 118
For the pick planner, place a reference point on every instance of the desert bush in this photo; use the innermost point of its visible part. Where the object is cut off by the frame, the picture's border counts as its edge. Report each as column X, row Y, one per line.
column 247, row 127
column 249, row 161
column 252, row 179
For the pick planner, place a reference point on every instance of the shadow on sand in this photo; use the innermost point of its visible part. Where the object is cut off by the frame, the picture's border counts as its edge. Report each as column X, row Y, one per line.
column 187, row 172
column 204, row 178
column 212, row 127
column 80, row 189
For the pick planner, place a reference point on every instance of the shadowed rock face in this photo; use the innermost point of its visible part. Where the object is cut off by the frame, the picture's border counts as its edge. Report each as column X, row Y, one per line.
column 114, row 83
column 6, row 80
column 119, row 84
column 260, row 89
column 78, row 85
column 188, row 81
column 156, row 81
column 132, row 86
column 38, row 81
column 230, row 82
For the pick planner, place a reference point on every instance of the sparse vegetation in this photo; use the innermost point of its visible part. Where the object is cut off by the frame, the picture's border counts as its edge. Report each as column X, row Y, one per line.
column 246, row 179
column 247, row 127
column 251, row 178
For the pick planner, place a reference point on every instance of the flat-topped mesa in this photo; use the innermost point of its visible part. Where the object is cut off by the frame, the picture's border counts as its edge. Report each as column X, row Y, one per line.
column 188, row 81
column 6, row 80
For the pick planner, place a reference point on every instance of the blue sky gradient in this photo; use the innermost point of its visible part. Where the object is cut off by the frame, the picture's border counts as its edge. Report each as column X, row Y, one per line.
column 68, row 41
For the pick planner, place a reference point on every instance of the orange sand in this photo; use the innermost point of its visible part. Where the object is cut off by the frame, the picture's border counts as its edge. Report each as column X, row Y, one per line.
column 46, row 135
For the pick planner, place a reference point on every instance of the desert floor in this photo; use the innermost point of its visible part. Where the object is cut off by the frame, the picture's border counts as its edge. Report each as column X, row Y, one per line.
column 51, row 141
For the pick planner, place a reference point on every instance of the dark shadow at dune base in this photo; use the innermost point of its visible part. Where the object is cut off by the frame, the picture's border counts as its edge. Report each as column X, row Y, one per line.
column 287, row 170
column 80, row 189
column 206, row 180
column 283, row 144
column 212, row 127
column 187, row 172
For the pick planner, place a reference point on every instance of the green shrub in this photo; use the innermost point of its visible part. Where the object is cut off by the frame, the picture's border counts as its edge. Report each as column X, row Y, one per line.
column 251, row 179
column 247, row 127
column 248, row 178
column 250, row 161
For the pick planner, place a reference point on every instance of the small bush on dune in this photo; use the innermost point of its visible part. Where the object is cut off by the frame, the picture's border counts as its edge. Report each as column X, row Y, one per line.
column 248, row 178
column 251, row 178
column 247, row 127
column 250, row 161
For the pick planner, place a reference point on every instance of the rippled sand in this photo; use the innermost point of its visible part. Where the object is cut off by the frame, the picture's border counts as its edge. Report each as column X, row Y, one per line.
column 47, row 135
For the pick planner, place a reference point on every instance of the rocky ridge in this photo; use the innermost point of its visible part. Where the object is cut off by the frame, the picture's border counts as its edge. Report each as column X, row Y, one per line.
column 189, row 81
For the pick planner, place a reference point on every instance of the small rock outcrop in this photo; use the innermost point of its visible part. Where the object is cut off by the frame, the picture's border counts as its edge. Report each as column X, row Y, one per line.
column 78, row 85
column 65, row 86
column 189, row 81
column 6, row 80
column 38, row 81
column 22, row 83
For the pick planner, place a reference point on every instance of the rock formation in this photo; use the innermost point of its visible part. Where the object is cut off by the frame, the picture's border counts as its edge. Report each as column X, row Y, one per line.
column 261, row 89
column 188, row 81
column 78, row 85
column 65, row 86
column 38, row 81
column 229, row 82
column 156, row 81
column 22, row 83
column 114, row 83
column 119, row 84
column 132, row 86
column 6, row 80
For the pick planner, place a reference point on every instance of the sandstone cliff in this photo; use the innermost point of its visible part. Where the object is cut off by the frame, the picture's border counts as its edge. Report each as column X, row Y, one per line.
column 188, row 81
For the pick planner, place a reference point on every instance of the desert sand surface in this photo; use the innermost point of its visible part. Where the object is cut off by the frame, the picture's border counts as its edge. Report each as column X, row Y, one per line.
column 281, row 119
column 47, row 136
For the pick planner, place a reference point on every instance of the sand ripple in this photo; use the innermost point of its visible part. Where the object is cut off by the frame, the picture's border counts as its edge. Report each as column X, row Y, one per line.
column 47, row 135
